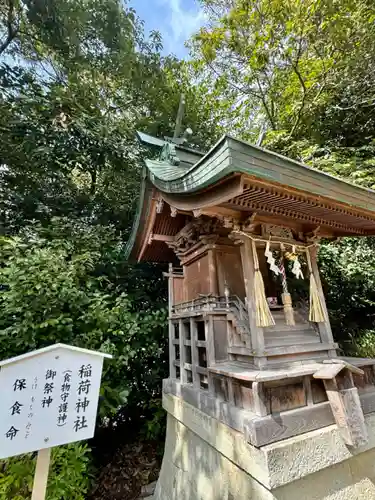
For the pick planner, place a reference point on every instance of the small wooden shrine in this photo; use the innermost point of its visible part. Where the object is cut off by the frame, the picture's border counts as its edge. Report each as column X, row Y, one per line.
column 250, row 341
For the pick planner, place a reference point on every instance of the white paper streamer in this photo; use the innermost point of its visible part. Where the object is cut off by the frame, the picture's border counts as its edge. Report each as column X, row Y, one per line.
column 296, row 269
column 271, row 260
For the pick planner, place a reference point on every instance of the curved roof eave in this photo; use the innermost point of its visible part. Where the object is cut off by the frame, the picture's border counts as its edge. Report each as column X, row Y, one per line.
column 232, row 156
column 141, row 214
column 219, row 162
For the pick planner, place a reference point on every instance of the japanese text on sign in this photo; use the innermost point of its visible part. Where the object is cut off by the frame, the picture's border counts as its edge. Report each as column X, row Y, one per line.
column 50, row 399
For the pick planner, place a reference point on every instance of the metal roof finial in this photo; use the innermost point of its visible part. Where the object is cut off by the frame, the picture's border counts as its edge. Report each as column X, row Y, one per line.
column 180, row 115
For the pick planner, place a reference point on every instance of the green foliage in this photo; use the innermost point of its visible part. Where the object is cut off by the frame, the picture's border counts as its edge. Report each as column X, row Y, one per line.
column 348, row 269
column 77, row 80
column 303, row 70
column 354, row 164
column 365, row 346
column 55, row 289
column 69, row 477
column 155, row 426
column 293, row 65
column 68, row 115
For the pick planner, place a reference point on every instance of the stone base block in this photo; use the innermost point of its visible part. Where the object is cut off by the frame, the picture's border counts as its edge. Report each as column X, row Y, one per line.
column 207, row 460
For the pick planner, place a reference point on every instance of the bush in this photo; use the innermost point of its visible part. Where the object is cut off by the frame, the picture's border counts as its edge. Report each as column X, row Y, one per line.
column 55, row 289
column 69, row 282
column 348, row 272
column 69, row 476
column 364, row 346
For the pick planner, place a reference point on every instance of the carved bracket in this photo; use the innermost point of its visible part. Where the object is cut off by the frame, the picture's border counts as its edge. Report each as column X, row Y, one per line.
column 231, row 223
column 159, row 206
column 237, row 225
column 314, row 236
column 173, row 211
column 201, row 229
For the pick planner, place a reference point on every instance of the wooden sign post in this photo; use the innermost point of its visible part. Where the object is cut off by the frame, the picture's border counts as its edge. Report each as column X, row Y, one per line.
column 49, row 397
column 41, row 474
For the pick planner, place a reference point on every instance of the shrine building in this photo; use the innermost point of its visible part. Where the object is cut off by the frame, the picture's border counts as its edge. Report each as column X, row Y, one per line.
column 260, row 402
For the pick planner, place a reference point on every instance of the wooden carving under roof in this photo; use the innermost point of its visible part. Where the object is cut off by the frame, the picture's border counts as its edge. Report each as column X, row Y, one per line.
column 192, row 233
column 270, row 230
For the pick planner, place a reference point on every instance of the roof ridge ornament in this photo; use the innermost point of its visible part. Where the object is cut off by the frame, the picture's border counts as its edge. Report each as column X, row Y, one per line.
column 180, row 115
column 177, row 138
column 168, row 154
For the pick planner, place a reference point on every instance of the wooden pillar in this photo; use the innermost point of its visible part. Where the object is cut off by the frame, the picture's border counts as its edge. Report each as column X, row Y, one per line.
column 212, row 272
column 194, row 351
column 182, row 336
column 172, row 368
column 256, row 332
column 210, row 350
column 324, row 327
column 185, row 289
column 231, row 398
column 308, row 390
column 259, row 399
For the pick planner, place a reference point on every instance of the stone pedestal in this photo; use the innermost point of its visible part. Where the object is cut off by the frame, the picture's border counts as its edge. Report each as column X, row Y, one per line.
column 206, row 460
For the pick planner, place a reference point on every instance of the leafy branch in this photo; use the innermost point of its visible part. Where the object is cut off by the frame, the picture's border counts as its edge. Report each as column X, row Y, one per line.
column 11, row 28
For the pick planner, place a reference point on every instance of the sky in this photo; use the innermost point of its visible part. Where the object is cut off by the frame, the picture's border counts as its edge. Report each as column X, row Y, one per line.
column 176, row 20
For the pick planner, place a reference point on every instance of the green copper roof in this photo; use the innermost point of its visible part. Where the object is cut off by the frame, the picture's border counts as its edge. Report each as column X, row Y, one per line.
column 166, row 172
column 149, row 140
column 196, row 172
column 231, row 155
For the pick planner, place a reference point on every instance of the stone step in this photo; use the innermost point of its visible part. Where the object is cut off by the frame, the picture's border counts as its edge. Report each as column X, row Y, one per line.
column 279, row 316
column 282, row 327
column 295, row 336
column 280, row 341
column 291, row 333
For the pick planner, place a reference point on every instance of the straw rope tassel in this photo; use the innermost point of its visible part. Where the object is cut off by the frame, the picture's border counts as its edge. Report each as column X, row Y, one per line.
column 263, row 316
column 286, row 297
column 317, row 312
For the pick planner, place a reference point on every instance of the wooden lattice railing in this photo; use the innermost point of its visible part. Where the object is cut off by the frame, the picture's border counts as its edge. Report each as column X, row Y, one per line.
column 232, row 304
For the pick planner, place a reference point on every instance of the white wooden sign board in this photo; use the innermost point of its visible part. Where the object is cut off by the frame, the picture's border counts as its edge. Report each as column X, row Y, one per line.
column 48, row 398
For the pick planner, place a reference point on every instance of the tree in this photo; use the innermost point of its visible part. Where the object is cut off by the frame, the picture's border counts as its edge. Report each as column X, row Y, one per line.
column 304, row 70
column 77, row 79
column 280, row 61
column 68, row 115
